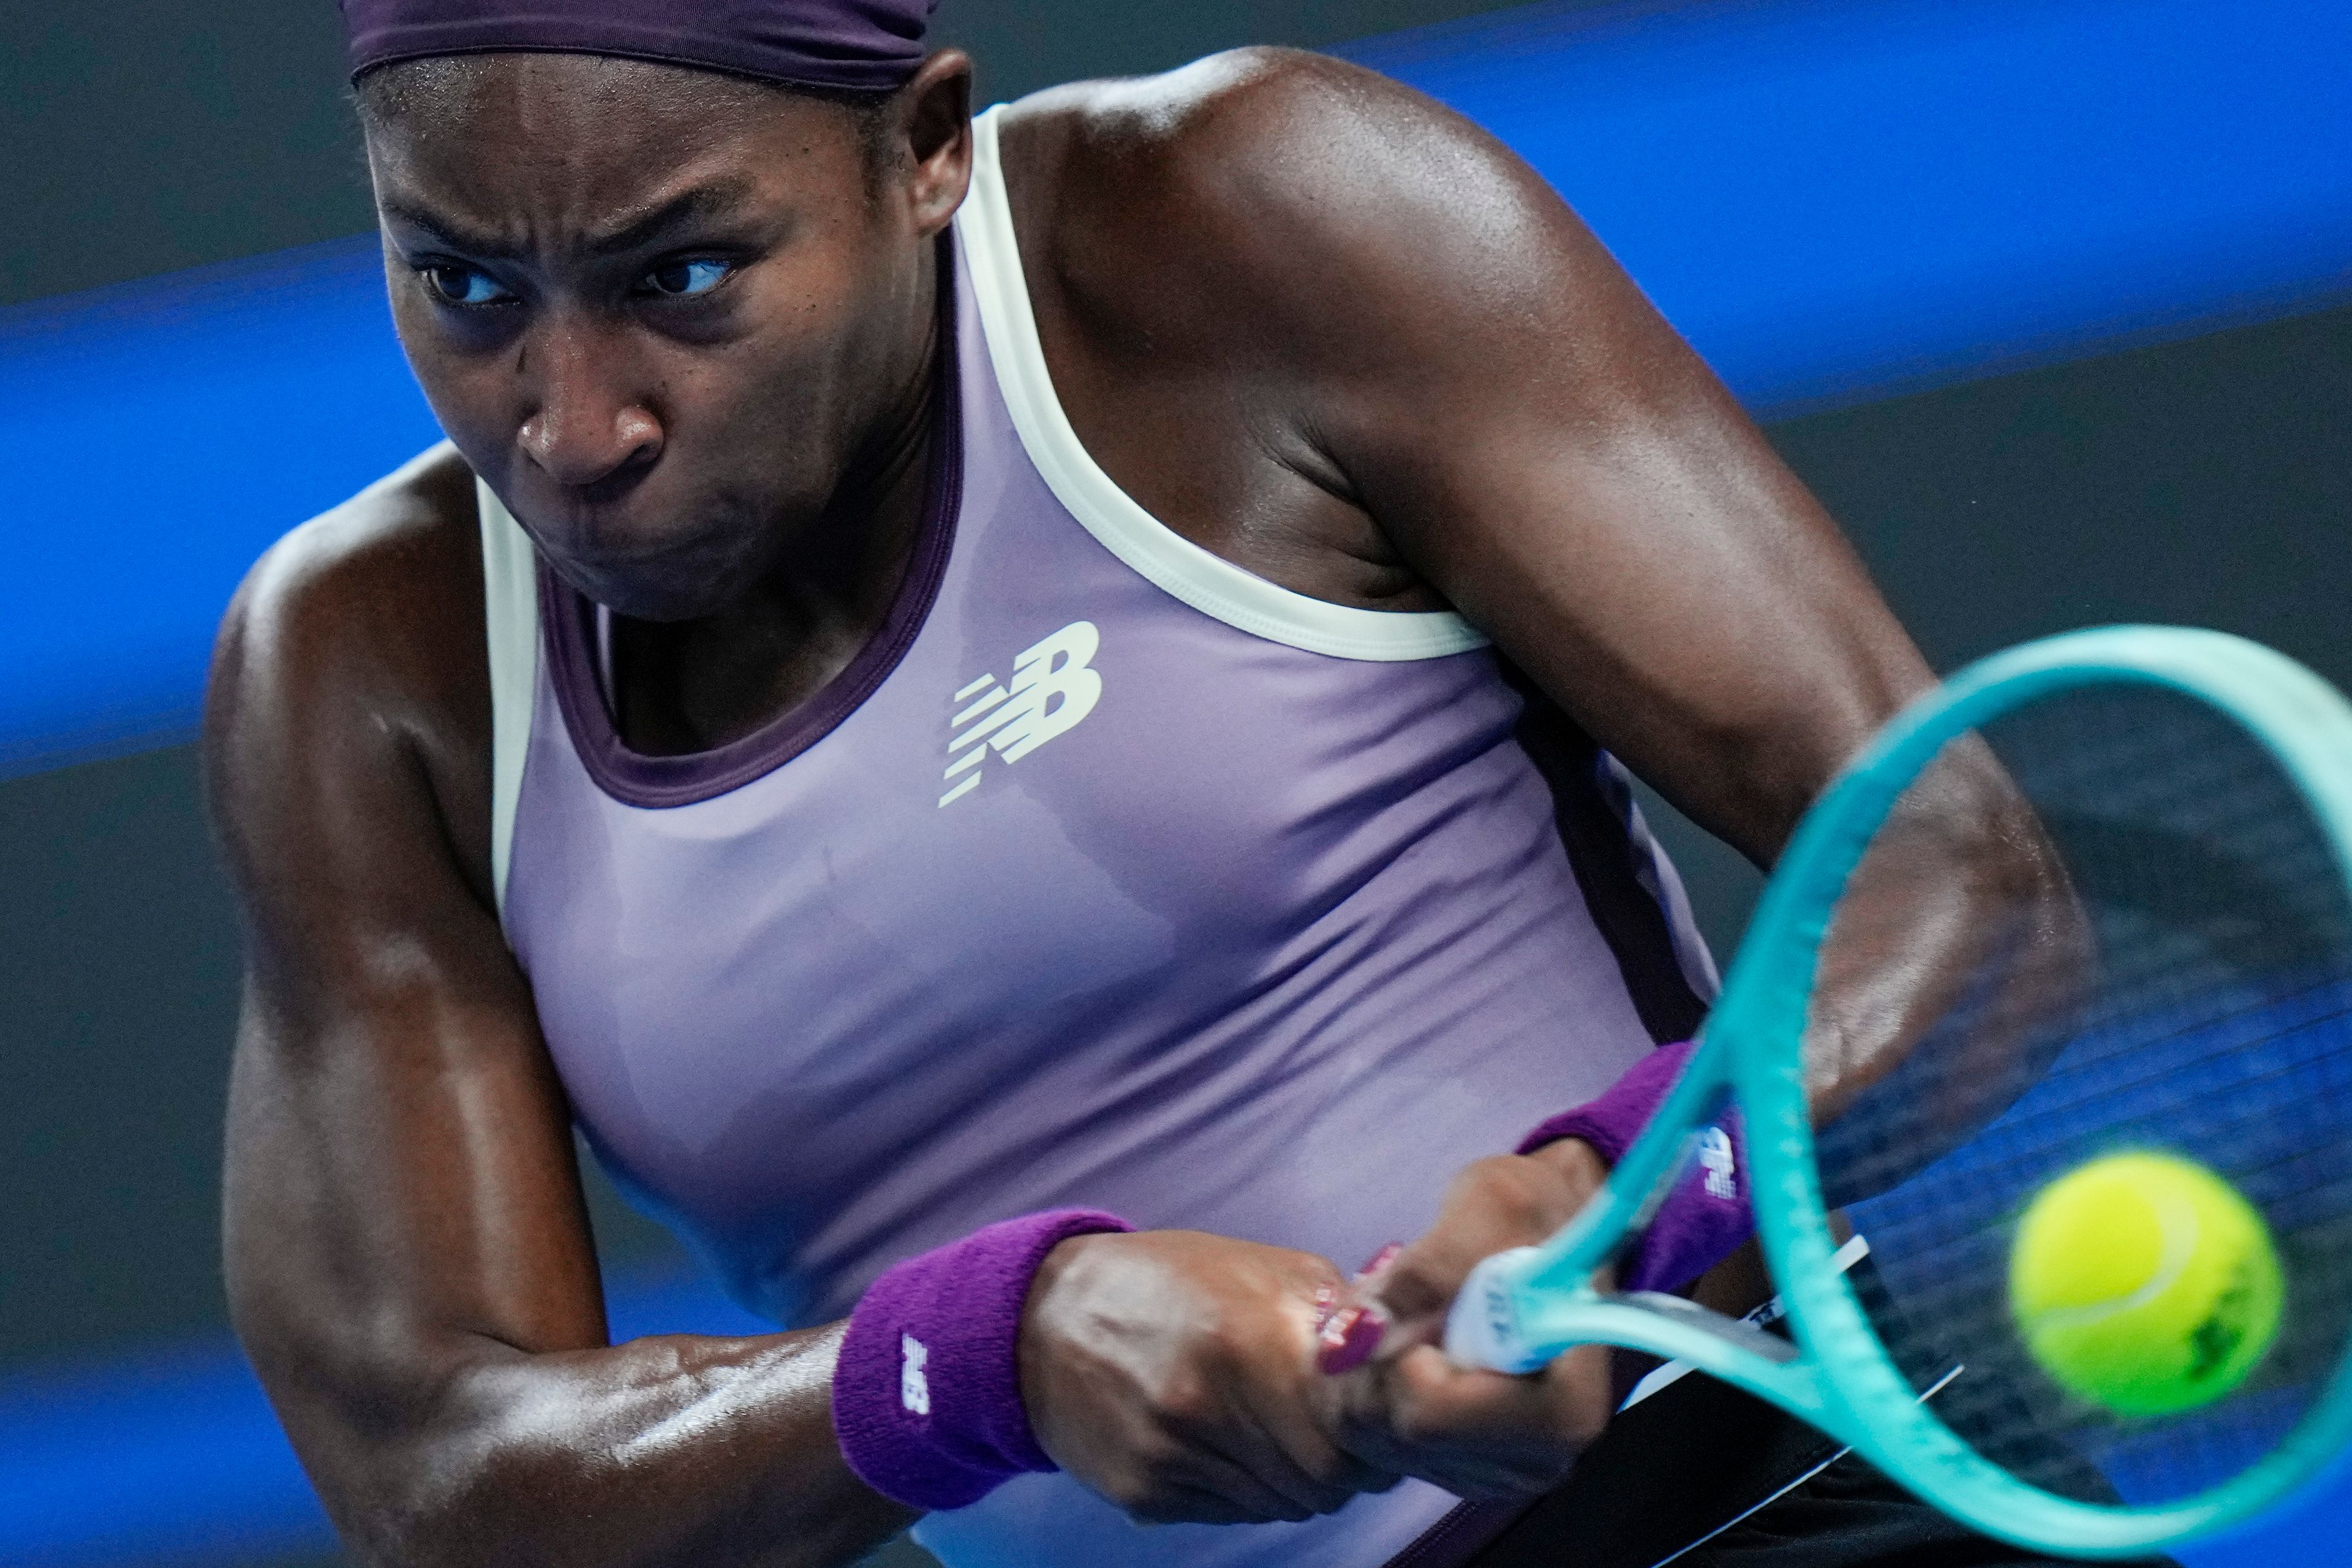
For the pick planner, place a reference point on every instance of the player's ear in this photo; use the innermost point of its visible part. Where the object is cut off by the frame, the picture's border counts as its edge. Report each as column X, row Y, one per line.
column 931, row 135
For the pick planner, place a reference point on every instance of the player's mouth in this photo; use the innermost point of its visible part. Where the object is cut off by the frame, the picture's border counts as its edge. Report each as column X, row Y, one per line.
column 648, row 566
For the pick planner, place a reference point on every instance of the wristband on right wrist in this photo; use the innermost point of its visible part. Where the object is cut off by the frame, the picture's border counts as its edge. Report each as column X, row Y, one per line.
column 926, row 1388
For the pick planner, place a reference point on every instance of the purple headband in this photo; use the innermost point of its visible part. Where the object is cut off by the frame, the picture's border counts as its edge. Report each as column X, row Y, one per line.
column 872, row 45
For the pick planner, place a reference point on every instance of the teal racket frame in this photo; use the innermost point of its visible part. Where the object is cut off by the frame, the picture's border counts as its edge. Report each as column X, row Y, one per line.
column 1521, row 1308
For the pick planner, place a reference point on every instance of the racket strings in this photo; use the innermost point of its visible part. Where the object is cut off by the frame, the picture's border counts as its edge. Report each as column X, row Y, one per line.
column 2153, row 950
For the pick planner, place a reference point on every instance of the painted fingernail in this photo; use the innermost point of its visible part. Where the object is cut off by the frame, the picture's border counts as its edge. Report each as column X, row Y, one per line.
column 1381, row 1260
column 1349, row 1338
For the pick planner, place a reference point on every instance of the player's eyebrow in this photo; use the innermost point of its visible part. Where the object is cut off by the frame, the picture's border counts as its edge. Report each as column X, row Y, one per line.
column 454, row 236
column 697, row 204
column 631, row 231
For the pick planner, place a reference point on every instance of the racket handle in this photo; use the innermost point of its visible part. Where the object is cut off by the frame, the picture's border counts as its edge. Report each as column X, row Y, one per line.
column 1483, row 1327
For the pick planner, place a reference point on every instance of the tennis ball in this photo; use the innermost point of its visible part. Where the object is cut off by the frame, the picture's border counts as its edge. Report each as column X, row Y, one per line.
column 2145, row 1282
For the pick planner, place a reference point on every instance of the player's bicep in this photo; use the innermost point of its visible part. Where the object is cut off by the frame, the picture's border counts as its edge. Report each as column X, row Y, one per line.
column 401, row 1188
column 1542, row 448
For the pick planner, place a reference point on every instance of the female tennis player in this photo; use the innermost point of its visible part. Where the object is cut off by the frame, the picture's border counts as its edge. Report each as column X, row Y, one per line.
column 1020, row 721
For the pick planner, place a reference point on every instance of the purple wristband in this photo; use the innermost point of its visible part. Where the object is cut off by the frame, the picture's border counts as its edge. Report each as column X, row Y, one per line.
column 1707, row 1216
column 927, row 1390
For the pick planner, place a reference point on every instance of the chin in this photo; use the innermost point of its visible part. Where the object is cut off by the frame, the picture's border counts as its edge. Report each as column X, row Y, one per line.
column 650, row 590
column 677, row 580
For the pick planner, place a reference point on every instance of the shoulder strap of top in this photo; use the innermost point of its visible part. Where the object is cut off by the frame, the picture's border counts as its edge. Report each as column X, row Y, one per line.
column 1209, row 583
column 510, row 606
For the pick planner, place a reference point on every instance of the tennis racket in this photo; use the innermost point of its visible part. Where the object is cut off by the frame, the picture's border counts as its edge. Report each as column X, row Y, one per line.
column 2156, row 954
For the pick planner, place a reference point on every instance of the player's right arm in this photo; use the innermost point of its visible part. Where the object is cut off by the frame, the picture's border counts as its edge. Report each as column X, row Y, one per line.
column 408, row 1259
column 408, row 1256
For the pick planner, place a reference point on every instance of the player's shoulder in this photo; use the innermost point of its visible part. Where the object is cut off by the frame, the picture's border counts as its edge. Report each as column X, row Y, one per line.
column 372, row 608
column 1272, row 181
column 1244, row 112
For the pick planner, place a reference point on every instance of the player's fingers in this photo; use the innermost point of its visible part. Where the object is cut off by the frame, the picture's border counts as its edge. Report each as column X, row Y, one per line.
column 1275, row 1429
column 1488, row 1434
column 1414, row 1413
column 1559, row 1411
column 1229, row 1437
column 1253, row 1487
column 1491, row 1204
column 1187, row 1465
column 1280, row 1417
column 1434, row 1400
column 1313, row 1466
column 1169, row 1477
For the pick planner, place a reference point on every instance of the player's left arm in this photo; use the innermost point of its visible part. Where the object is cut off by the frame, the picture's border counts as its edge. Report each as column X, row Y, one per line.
column 1542, row 448
column 1538, row 446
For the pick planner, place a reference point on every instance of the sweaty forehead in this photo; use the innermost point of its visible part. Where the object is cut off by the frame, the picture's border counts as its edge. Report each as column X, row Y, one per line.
column 861, row 45
column 484, row 149
column 559, row 96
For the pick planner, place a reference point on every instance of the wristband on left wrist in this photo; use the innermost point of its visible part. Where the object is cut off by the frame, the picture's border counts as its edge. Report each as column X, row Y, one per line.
column 1707, row 1216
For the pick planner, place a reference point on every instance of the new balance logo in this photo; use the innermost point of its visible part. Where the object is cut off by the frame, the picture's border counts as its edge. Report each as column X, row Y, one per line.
column 1051, row 689
column 1716, row 1158
column 914, row 1389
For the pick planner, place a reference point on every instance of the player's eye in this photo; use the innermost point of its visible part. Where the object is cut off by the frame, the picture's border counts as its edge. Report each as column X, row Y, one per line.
column 455, row 285
column 687, row 279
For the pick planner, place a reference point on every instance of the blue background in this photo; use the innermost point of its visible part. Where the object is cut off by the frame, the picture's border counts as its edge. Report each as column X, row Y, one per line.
column 1834, row 200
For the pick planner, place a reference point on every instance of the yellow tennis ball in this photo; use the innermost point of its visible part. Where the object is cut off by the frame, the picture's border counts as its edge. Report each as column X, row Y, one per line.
column 2145, row 1282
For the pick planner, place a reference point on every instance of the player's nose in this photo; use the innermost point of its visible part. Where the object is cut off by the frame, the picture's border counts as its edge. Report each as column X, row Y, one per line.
column 585, row 423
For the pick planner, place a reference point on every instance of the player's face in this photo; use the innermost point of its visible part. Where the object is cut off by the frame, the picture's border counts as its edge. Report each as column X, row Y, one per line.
column 663, row 314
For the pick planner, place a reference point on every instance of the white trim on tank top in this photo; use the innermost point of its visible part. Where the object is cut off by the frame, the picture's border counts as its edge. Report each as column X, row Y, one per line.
column 1209, row 583
column 510, row 624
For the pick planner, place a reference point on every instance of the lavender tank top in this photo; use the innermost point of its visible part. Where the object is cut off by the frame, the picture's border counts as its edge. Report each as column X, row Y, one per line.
column 1107, row 874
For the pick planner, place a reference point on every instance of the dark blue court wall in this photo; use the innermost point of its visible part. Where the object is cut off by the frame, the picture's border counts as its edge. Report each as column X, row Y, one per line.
column 1834, row 200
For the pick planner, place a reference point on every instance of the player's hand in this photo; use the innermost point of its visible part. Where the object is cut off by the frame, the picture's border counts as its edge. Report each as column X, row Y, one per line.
column 1175, row 1373
column 1477, row 1433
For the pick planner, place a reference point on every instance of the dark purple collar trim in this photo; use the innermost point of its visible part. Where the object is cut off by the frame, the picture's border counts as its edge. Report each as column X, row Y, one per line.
column 634, row 778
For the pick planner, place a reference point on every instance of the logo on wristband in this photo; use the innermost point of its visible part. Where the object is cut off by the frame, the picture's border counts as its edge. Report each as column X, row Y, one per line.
column 1716, row 1158
column 914, row 1390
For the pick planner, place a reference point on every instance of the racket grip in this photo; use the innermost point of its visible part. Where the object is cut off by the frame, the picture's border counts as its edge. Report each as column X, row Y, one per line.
column 1483, row 1327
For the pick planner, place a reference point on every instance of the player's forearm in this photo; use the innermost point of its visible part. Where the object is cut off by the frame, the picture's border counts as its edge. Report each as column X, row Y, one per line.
column 672, row 1450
